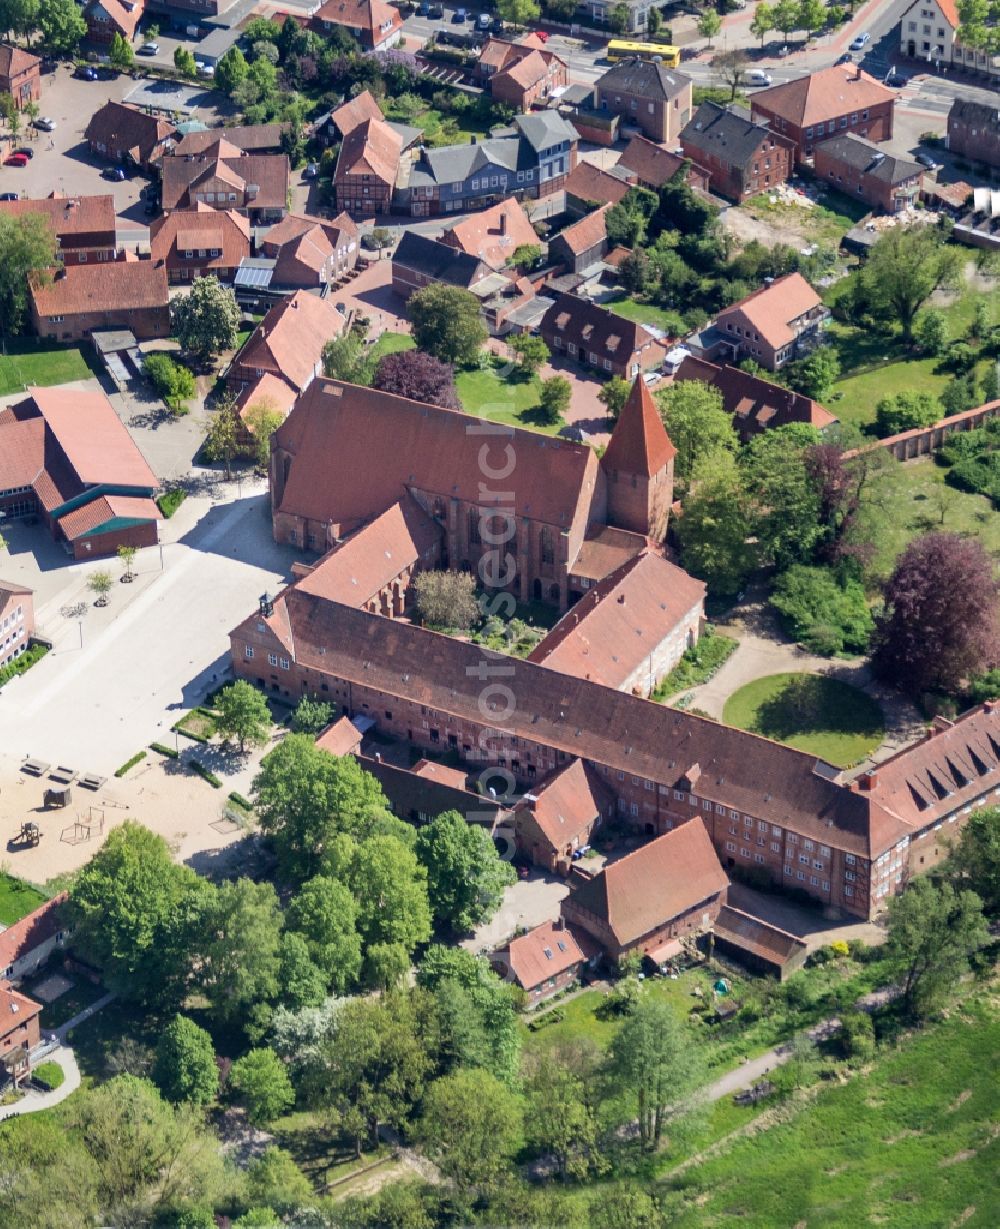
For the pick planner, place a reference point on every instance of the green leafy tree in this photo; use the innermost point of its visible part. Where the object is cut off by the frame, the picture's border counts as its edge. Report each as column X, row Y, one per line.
column 654, row 1062
column 713, row 531
column 815, row 375
column 465, row 875
column 100, row 584
column 231, row 70
column 447, row 323
column 857, row 1035
column 974, row 862
column 274, row 1181
column 525, row 256
column 311, row 716
column 27, row 252
column 554, row 398
column 386, row 964
column 184, row 1068
column 930, row 332
column 447, row 599
column 184, row 62
column 618, row 18
column 126, row 556
column 777, row 477
column 325, row 913
column 260, row 1082
column 347, row 358
column 623, row 1207
column 763, row 21
column 697, row 424
column 961, row 393
column 302, row 982
column 207, row 320
column 304, row 796
column 561, row 1114
column 238, row 958
column 932, row 932
column 390, row 887
column 19, row 16
column 904, row 268
column 243, row 714
column 134, row 912
column 472, row 1126
column 613, row 396
column 222, row 433
column 826, row 616
column 709, row 24
column 262, row 419
column 785, row 16
column 518, row 13
column 905, row 411
column 654, row 23
column 812, row 15
column 121, row 54
column 173, row 381
column 532, row 353
column 61, row 24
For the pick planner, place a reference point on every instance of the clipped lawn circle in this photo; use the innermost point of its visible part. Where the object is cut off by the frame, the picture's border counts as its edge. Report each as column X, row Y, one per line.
column 828, row 718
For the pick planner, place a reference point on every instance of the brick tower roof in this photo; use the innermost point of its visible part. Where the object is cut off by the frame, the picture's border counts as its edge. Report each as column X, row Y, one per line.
column 639, row 443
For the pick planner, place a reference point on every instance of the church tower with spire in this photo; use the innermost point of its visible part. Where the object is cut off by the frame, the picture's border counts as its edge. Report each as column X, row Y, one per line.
column 639, row 467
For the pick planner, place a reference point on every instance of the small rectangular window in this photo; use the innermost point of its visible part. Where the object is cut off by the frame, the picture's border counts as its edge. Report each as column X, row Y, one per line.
column 249, row 652
column 272, row 659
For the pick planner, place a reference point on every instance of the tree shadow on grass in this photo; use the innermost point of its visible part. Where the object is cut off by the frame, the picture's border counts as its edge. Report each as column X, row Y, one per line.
column 811, row 703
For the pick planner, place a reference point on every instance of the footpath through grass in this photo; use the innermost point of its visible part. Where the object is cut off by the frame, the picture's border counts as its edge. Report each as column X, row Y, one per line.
column 814, row 713
column 911, row 1144
column 27, row 362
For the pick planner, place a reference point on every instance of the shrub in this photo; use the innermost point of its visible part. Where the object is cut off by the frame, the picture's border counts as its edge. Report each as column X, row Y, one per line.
column 205, row 774
column 170, row 501
column 840, row 947
column 827, row 616
column 22, row 663
column 240, row 801
column 139, row 755
column 160, row 749
column 49, row 1075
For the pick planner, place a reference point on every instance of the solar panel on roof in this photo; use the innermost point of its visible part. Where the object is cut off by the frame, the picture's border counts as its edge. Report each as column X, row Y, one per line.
column 253, row 278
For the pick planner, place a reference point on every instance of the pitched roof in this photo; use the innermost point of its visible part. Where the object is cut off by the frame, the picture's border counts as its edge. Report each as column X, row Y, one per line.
column 68, row 215
column 493, row 235
column 270, row 388
column 754, row 402
column 544, row 952
column 355, row 450
column 201, row 228
column 955, row 764
column 355, row 571
column 119, row 126
column 754, row 935
column 370, row 148
column 572, row 715
column 649, row 162
column 124, row 17
column 873, row 161
column 342, row 737
column 644, row 79
column 527, row 70
column 21, row 938
column 437, row 260
column 371, row 16
column 543, row 129
column 589, row 183
column 15, row 1009
column 590, row 231
column 948, row 8
column 966, row 111
column 15, row 60
column 618, row 624
column 771, row 309
column 122, row 285
column 594, row 329
column 92, row 516
column 290, row 339
column 662, row 880
column 294, row 225
column 822, row 95
column 497, row 53
column 355, row 111
column 567, row 803
column 250, row 138
column 639, row 443
column 181, row 175
column 604, row 550
column 14, row 590
column 726, row 132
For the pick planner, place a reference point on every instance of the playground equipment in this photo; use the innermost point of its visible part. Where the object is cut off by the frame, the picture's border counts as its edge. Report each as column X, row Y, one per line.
column 58, row 796
column 29, row 836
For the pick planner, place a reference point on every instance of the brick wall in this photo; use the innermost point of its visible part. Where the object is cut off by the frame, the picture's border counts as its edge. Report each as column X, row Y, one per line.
column 100, row 545
column 145, row 323
column 922, row 441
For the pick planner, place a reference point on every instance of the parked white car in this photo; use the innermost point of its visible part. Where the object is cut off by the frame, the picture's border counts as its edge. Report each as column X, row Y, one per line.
column 45, row 124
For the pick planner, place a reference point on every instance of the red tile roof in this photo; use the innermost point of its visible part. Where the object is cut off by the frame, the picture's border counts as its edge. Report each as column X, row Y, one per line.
column 545, row 952
column 133, row 285
column 822, row 95
column 341, row 738
column 250, row 138
column 372, row 148
column 277, row 394
column 289, row 340
column 589, row 232
column 15, row 60
column 25, row 936
column 374, row 17
column 493, row 235
column 639, row 443
column 15, row 1009
column 594, row 329
column 92, row 436
column 356, row 570
column 69, row 215
column 528, row 70
column 771, row 309
column 99, row 512
column 612, row 631
column 589, row 183
column 431, row 770
column 566, row 806
column 604, row 550
column 755, row 403
column 662, row 880
column 183, row 177
column 125, row 18
column 122, row 129
column 201, row 228
column 355, row 111
column 651, row 163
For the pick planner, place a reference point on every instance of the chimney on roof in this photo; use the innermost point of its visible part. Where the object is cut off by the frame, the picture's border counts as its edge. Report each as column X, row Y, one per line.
column 621, row 599
column 857, row 72
column 940, row 724
column 868, row 780
column 503, row 223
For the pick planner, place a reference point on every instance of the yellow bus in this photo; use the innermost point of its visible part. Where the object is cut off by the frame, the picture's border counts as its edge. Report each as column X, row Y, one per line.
column 621, row 49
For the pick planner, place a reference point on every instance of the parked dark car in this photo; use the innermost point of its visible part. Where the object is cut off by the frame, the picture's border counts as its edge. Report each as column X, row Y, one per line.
column 28, row 153
column 10, row 196
column 107, row 74
column 114, row 173
column 85, row 73
column 435, row 12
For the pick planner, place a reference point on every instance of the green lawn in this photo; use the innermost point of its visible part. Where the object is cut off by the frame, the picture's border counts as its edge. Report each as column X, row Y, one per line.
column 483, row 391
column 697, row 665
column 17, row 899
column 391, row 343
column 910, row 1145
column 643, row 313
column 821, row 715
column 26, row 362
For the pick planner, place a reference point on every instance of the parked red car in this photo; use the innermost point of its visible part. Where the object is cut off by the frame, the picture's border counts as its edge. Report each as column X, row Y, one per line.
column 541, row 34
column 16, row 160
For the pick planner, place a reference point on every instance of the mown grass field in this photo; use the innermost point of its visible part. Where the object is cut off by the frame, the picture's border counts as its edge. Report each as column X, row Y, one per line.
column 27, row 362
column 17, row 899
column 391, row 343
column 486, row 392
column 911, row 1144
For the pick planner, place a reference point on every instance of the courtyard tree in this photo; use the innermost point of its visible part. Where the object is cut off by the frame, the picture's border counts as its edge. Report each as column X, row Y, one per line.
column 61, row 25
column 904, row 411
column 931, row 332
column 275, row 1182
column 185, row 62
column 310, row 715
column 390, row 887
column 259, row 1081
column 974, row 862
column 302, row 982
column 714, row 529
column 99, row 583
column 238, row 958
column 654, row 1061
column 554, row 398
column 27, row 252
column 243, row 714
column 763, row 21
column 697, row 424
column 941, row 619
column 472, row 1126
column 777, row 478
column 933, row 930
column 561, row 1118
column 262, row 419
column 206, row 321
column 121, row 54
column 904, row 268
column 531, row 353
column 325, row 913
column 184, row 1068
column 447, row 599
column 816, row 374
column 731, row 67
column 231, row 70
column 465, row 875
column 347, row 358
column 447, row 323
column 222, row 433
column 304, row 796
column 709, row 25
column 173, row 381
column 418, row 376
column 613, row 396
column 126, row 557
column 525, row 256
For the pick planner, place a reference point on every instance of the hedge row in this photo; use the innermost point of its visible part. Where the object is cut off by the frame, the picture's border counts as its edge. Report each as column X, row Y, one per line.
column 22, row 663
column 240, row 801
column 169, row 752
column 205, row 774
column 171, row 501
column 139, row 755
